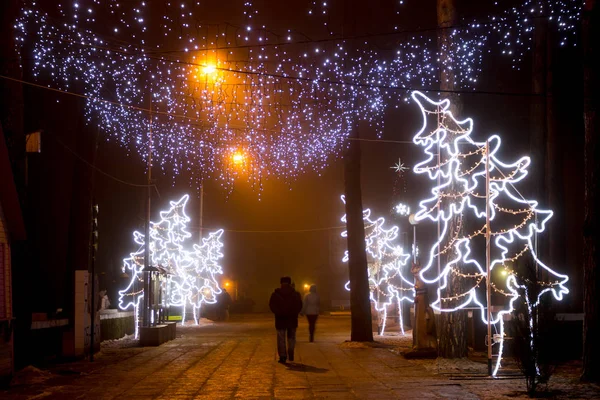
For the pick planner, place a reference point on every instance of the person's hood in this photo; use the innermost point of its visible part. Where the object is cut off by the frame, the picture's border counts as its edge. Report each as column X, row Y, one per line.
column 313, row 288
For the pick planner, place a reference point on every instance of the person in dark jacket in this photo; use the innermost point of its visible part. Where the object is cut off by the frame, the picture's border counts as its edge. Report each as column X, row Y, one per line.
column 286, row 304
column 223, row 304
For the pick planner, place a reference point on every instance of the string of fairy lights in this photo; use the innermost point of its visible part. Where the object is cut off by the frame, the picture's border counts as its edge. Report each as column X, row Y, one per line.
column 244, row 83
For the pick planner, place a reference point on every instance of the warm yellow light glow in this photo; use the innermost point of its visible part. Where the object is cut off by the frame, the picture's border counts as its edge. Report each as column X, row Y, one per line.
column 209, row 69
column 238, row 157
column 503, row 272
column 227, row 284
column 306, row 286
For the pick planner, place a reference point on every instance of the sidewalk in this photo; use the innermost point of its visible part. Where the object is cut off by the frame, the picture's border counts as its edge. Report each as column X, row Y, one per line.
column 237, row 360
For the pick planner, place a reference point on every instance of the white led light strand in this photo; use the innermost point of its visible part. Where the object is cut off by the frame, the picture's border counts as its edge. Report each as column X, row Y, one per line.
column 216, row 90
column 192, row 274
column 387, row 263
column 460, row 193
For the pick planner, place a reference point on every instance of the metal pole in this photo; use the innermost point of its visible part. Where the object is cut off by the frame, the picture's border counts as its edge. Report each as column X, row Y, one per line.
column 93, row 242
column 487, row 255
column 93, row 287
column 439, row 162
column 146, row 274
column 201, row 212
column 93, row 309
column 416, row 303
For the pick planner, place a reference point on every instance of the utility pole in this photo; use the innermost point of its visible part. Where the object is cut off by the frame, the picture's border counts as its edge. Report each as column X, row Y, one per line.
column 488, row 236
column 94, row 250
column 146, row 274
column 201, row 212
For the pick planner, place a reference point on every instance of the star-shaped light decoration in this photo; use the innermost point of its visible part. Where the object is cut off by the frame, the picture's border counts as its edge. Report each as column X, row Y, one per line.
column 403, row 209
column 399, row 167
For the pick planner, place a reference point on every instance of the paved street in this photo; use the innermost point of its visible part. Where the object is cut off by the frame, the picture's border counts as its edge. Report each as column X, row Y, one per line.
column 237, row 359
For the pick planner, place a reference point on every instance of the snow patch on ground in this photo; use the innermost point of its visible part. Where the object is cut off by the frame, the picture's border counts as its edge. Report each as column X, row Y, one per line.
column 396, row 339
column 124, row 342
column 30, row 375
column 456, row 365
column 191, row 324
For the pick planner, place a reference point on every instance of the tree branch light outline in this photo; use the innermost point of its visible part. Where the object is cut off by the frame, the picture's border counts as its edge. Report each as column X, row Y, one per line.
column 192, row 275
column 462, row 167
column 387, row 264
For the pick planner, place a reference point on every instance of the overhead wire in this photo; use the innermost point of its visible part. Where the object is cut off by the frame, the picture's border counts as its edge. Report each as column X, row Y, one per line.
column 155, row 112
column 99, row 170
column 329, row 228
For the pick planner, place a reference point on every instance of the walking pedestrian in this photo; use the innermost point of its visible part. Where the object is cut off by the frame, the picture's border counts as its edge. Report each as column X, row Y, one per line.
column 223, row 304
column 286, row 304
column 310, row 308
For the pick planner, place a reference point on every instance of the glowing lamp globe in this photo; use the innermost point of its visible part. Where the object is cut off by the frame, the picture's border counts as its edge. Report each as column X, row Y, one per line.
column 412, row 220
column 238, row 158
column 209, row 69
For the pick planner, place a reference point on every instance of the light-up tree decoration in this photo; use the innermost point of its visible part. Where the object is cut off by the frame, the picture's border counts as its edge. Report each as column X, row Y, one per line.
column 192, row 280
column 460, row 168
column 196, row 282
column 133, row 266
column 387, row 265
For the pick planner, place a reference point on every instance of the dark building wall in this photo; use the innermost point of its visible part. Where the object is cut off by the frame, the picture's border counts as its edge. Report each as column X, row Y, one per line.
column 54, row 188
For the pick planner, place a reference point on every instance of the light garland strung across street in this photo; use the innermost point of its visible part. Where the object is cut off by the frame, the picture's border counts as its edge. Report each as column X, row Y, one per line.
column 191, row 274
column 387, row 264
column 456, row 195
column 222, row 90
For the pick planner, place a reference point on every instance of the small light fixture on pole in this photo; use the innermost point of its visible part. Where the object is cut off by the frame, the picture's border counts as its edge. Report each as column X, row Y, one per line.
column 413, row 221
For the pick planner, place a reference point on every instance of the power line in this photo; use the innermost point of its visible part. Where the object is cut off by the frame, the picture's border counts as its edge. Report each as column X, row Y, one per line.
column 306, row 79
column 179, row 115
column 330, row 228
column 80, row 158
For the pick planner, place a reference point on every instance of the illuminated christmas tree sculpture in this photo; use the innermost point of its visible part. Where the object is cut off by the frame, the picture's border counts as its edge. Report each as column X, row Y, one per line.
column 460, row 168
column 133, row 266
column 386, row 264
column 196, row 282
column 191, row 279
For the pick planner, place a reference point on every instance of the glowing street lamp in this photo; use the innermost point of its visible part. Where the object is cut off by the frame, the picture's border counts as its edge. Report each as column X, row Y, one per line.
column 209, row 69
column 208, row 72
column 238, row 158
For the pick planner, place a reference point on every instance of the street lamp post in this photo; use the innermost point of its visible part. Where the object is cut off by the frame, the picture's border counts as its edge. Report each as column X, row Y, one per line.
column 147, row 278
column 201, row 213
column 414, row 223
